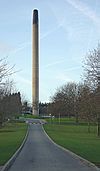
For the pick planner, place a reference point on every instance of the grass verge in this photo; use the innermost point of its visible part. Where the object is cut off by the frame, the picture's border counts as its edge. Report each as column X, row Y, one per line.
column 76, row 139
column 11, row 137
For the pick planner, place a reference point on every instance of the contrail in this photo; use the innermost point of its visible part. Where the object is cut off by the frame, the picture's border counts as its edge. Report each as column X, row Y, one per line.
column 61, row 19
column 73, row 68
column 54, row 63
column 20, row 47
column 50, row 31
column 22, row 79
column 58, row 25
column 84, row 9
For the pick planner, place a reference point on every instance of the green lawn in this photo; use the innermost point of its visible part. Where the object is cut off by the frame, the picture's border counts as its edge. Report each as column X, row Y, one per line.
column 29, row 116
column 61, row 120
column 77, row 139
column 11, row 137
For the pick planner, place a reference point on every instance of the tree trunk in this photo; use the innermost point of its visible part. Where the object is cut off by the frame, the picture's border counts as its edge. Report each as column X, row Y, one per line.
column 77, row 119
column 98, row 127
column 88, row 126
column 1, row 120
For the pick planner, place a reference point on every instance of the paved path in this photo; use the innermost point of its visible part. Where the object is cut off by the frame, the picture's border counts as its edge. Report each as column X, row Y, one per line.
column 40, row 154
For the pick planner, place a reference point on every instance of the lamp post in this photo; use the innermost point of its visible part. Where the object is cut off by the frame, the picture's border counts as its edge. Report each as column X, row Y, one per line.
column 50, row 117
column 59, row 118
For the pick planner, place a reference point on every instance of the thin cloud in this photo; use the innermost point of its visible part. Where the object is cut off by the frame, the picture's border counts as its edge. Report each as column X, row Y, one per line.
column 54, row 63
column 22, row 80
column 50, row 31
column 4, row 47
column 73, row 68
column 20, row 47
column 63, row 77
column 61, row 20
column 85, row 10
column 58, row 14
column 59, row 23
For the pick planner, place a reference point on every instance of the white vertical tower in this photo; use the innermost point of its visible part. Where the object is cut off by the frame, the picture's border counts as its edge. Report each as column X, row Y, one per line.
column 35, row 64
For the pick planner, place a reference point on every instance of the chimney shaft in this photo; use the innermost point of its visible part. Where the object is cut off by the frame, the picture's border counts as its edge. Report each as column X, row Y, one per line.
column 35, row 64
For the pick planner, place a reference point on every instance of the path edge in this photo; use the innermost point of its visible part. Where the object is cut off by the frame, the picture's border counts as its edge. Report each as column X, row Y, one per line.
column 88, row 163
column 9, row 163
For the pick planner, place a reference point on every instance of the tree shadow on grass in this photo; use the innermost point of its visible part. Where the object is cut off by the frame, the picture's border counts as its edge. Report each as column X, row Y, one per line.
column 5, row 131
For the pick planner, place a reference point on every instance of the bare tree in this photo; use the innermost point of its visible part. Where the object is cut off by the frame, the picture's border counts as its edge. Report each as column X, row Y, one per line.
column 5, row 84
column 64, row 100
column 92, row 68
column 5, row 70
column 92, row 78
column 86, row 105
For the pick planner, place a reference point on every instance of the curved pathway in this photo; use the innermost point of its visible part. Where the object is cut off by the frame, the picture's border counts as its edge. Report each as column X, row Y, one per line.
column 40, row 154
